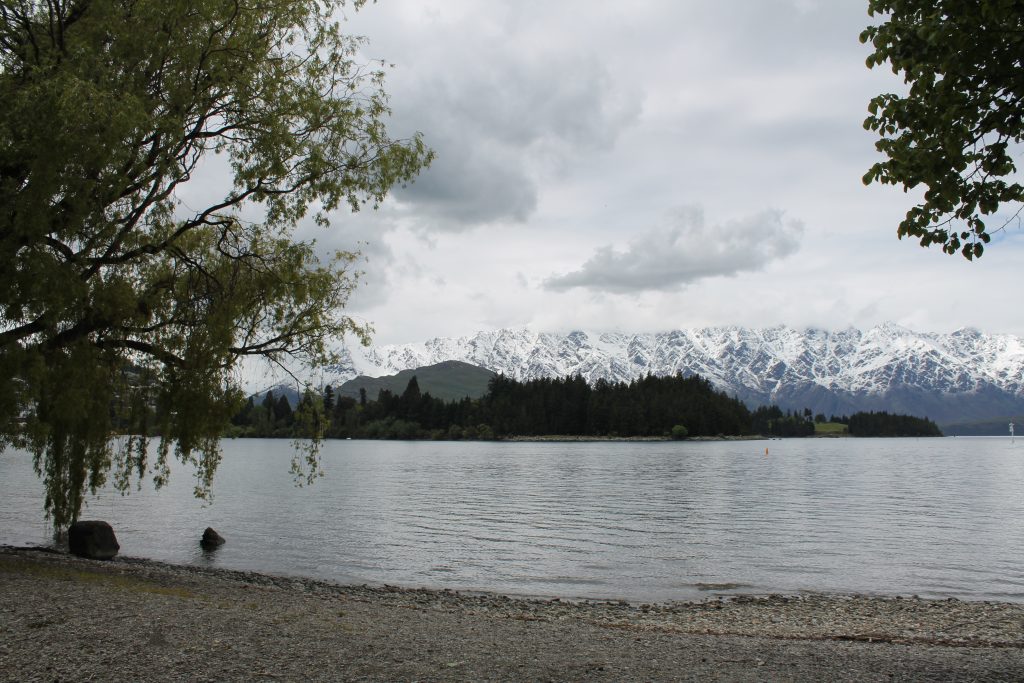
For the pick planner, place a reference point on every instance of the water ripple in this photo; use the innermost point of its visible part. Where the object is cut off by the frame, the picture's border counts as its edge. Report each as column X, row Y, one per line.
column 942, row 518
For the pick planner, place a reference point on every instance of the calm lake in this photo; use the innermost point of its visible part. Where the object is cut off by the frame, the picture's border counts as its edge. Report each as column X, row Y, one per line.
column 637, row 521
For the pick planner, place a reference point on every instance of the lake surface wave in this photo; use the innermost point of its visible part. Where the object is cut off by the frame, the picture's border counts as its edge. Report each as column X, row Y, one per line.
column 636, row 521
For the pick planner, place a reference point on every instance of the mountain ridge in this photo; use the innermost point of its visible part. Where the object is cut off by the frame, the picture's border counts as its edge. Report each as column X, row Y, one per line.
column 962, row 375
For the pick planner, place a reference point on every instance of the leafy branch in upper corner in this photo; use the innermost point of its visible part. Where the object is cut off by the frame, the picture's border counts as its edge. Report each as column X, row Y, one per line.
column 128, row 294
column 958, row 128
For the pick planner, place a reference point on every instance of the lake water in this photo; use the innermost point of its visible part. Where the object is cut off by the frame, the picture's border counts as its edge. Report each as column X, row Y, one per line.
column 636, row 521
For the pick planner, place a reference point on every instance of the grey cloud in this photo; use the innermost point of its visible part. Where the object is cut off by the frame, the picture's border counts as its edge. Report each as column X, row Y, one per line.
column 465, row 187
column 375, row 283
column 771, row 34
column 685, row 251
column 362, row 233
column 560, row 97
column 499, row 122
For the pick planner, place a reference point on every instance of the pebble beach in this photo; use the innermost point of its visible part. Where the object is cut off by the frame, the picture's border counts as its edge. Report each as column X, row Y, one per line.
column 63, row 618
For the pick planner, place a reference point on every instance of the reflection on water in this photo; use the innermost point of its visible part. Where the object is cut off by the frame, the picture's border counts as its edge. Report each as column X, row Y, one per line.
column 641, row 521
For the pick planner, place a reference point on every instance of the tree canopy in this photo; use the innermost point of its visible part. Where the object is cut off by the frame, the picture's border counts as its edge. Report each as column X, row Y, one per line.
column 958, row 128
column 128, row 295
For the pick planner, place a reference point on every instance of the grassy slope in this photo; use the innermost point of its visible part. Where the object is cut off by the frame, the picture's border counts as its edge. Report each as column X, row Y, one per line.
column 829, row 428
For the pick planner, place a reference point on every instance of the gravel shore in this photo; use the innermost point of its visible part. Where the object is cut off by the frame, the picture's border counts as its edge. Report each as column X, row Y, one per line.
column 67, row 619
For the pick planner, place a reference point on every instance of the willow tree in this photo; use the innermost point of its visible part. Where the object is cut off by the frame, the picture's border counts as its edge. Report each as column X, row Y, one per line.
column 124, row 305
column 957, row 130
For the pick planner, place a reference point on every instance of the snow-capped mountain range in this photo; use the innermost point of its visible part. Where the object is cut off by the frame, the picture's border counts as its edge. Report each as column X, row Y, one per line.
column 964, row 375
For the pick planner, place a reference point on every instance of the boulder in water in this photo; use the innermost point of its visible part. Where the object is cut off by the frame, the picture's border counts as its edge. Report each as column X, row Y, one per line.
column 211, row 539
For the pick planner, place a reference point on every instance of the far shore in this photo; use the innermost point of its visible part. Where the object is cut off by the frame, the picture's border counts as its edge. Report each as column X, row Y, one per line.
column 66, row 618
column 573, row 438
column 720, row 437
column 577, row 438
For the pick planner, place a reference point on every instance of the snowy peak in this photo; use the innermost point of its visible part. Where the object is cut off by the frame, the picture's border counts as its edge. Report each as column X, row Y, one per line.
column 827, row 370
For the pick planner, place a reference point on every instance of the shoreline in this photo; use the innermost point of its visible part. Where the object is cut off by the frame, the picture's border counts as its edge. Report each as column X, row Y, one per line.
column 567, row 438
column 132, row 619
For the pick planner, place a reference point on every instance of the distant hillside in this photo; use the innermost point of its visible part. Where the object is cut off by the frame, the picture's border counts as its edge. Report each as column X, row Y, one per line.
column 993, row 427
column 286, row 390
column 449, row 380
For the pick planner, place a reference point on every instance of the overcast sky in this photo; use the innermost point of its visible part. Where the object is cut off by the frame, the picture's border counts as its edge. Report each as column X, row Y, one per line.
column 646, row 166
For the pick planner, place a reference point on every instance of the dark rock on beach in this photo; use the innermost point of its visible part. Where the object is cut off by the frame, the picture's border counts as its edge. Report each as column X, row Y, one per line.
column 93, row 539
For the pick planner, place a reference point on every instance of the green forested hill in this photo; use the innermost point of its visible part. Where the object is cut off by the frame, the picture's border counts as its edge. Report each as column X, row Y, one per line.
column 450, row 381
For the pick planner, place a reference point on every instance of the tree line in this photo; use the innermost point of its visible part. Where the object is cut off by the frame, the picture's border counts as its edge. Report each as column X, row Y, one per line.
column 886, row 424
column 674, row 406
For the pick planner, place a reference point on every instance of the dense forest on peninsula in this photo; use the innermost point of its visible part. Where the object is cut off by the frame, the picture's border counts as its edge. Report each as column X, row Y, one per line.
column 674, row 406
